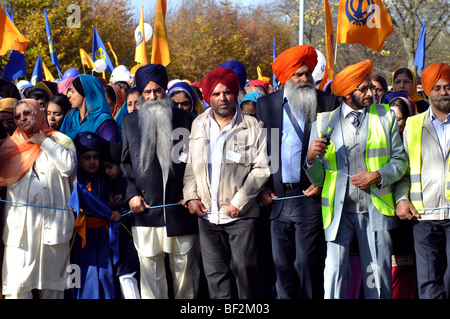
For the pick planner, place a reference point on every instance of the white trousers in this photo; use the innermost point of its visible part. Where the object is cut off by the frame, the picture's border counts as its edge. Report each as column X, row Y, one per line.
column 185, row 271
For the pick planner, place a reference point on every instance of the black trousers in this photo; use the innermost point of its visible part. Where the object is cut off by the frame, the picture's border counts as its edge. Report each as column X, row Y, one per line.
column 298, row 248
column 230, row 258
column 432, row 246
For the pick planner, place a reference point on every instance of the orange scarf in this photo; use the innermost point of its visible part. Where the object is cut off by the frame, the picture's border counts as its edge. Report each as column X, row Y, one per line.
column 17, row 155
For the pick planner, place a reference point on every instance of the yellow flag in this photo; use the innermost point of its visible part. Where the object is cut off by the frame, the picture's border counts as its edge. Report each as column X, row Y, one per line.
column 141, row 52
column 86, row 60
column 363, row 21
column 160, row 46
column 329, row 45
column 10, row 37
column 113, row 53
column 47, row 75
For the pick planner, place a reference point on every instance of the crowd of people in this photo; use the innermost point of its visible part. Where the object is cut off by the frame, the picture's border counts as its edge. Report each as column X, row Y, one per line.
column 149, row 188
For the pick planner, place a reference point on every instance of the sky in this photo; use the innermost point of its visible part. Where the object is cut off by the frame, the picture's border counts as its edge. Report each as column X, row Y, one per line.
column 174, row 3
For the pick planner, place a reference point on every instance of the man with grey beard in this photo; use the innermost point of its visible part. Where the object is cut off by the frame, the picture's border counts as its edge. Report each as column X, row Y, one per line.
column 423, row 194
column 154, row 171
column 298, row 246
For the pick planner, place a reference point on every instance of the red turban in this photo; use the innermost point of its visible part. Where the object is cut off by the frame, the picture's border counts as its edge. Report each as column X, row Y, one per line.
column 290, row 60
column 432, row 74
column 348, row 79
column 259, row 82
column 225, row 76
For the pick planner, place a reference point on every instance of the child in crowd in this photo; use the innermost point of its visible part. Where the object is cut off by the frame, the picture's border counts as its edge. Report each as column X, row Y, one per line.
column 92, row 250
column 127, row 268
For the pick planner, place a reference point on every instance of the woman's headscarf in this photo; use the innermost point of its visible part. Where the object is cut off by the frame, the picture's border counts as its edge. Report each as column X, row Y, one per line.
column 120, row 99
column 98, row 110
column 186, row 88
column 17, row 155
column 399, row 95
column 415, row 96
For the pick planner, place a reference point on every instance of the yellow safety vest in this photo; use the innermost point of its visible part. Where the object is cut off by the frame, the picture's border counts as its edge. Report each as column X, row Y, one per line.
column 377, row 155
column 414, row 129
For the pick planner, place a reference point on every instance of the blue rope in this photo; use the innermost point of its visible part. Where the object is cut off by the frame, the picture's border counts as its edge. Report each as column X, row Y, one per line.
column 421, row 209
column 38, row 206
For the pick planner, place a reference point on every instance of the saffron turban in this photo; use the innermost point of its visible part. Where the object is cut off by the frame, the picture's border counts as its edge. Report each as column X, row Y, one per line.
column 348, row 79
column 432, row 74
column 290, row 60
column 156, row 73
column 239, row 69
column 225, row 76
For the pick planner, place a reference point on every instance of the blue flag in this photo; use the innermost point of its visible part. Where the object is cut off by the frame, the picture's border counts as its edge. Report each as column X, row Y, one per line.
column 99, row 51
column 38, row 75
column 274, row 54
column 51, row 44
column 419, row 60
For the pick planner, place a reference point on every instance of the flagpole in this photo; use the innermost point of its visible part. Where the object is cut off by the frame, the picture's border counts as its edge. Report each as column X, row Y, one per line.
column 301, row 22
column 335, row 53
column 84, row 70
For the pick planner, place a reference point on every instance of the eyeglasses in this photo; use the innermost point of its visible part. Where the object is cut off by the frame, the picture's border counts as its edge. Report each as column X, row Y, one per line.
column 25, row 113
column 364, row 90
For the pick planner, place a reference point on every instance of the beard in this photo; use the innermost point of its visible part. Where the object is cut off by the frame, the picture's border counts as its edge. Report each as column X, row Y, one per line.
column 302, row 98
column 155, row 125
column 442, row 103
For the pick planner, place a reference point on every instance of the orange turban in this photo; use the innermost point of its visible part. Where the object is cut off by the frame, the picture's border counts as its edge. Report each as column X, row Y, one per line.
column 432, row 74
column 290, row 60
column 348, row 79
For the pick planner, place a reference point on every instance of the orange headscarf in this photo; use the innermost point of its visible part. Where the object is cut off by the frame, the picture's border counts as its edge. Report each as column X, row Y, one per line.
column 290, row 60
column 432, row 74
column 120, row 99
column 348, row 79
column 16, row 154
column 415, row 96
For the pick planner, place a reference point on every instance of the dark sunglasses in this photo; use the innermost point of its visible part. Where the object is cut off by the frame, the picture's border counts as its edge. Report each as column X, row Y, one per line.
column 25, row 113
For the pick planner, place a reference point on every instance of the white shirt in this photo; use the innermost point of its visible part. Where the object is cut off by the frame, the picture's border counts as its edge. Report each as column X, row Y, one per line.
column 291, row 147
column 346, row 113
column 217, row 140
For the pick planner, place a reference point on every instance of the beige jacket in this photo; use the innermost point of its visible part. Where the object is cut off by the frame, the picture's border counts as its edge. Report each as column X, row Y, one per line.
column 244, row 169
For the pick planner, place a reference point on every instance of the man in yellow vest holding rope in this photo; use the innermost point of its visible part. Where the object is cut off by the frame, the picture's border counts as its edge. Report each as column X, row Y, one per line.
column 356, row 169
column 424, row 193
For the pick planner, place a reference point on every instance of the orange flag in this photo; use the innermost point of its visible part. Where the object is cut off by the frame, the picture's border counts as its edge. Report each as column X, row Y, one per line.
column 10, row 37
column 329, row 45
column 86, row 60
column 363, row 21
column 160, row 46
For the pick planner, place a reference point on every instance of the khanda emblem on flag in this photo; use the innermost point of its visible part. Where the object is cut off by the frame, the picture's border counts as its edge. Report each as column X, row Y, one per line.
column 51, row 45
column 100, row 54
column 359, row 15
column 140, row 38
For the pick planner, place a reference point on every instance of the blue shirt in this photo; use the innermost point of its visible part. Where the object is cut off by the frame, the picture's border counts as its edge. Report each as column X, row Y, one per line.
column 442, row 131
column 291, row 147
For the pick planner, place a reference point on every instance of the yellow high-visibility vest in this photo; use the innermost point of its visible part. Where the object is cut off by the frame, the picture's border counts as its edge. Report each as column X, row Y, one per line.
column 377, row 155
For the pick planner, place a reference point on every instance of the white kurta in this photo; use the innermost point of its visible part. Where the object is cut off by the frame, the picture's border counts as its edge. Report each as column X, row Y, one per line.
column 37, row 240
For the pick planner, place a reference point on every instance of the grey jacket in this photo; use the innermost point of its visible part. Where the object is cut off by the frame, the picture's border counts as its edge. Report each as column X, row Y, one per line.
column 433, row 175
column 390, row 173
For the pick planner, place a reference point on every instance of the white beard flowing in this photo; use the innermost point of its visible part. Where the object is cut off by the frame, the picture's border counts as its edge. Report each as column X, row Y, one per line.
column 302, row 98
column 155, row 124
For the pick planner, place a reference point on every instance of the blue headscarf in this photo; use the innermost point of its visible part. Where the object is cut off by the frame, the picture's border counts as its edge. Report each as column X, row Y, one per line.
column 97, row 107
column 186, row 88
column 251, row 96
column 392, row 95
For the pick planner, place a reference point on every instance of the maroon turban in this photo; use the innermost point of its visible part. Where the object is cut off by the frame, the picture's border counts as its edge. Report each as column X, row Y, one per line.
column 223, row 76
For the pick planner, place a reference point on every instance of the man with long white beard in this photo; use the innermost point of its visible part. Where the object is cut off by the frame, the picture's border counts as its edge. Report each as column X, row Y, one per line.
column 298, row 246
column 154, row 171
column 423, row 193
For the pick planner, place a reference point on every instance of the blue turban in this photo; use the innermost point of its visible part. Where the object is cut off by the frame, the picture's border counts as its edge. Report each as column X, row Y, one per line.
column 251, row 96
column 186, row 88
column 392, row 95
column 239, row 69
column 151, row 73
column 87, row 141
